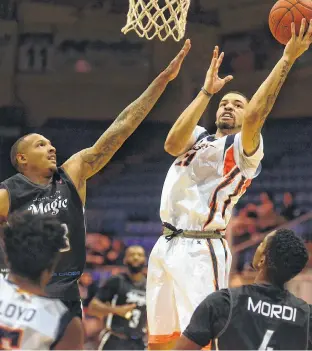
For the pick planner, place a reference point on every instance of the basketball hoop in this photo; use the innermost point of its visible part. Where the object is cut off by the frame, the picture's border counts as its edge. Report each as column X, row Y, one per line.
column 162, row 18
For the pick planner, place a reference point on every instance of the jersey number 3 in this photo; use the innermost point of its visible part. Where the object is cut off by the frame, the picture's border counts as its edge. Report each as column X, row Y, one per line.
column 10, row 339
column 67, row 245
column 266, row 339
column 134, row 322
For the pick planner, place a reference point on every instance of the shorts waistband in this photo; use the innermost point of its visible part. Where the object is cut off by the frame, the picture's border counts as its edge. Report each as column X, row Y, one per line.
column 170, row 232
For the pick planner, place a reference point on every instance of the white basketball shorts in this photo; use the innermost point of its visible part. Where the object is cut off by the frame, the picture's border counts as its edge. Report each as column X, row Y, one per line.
column 181, row 273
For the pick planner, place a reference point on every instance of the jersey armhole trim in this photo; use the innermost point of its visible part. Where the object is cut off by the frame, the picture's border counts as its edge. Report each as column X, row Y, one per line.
column 229, row 317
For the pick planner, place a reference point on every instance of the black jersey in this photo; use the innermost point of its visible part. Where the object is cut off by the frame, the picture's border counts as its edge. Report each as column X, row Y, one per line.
column 61, row 199
column 121, row 290
column 252, row 317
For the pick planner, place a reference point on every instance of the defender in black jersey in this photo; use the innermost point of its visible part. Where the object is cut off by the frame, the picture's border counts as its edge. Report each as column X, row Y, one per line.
column 41, row 187
column 261, row 316
column 122, row 301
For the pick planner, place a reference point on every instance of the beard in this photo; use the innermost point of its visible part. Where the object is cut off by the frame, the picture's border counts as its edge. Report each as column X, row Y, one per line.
column 135, row 269
column 225, row 125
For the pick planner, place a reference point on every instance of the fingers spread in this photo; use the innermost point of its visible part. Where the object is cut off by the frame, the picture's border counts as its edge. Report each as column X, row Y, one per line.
column 293, row 30
column 228, row 79
column 302, row 28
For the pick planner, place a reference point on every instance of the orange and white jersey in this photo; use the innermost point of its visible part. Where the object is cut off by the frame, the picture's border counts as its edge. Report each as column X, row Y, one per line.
column 203, row 185
column 29, row 321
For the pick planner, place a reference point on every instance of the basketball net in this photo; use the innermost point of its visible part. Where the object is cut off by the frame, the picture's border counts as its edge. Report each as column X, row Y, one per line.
column 149, row 18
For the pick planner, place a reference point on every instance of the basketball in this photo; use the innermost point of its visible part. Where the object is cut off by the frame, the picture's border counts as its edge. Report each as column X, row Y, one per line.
column 286, row 11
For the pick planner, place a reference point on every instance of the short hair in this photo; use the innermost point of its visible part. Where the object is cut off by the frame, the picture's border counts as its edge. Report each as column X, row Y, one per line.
column 286, row 256
column 238, row 93
column 135, row 247
column 32, row 244
column 15, row 150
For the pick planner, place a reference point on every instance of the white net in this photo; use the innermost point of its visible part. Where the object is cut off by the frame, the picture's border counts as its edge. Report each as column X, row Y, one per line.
column 162, row 18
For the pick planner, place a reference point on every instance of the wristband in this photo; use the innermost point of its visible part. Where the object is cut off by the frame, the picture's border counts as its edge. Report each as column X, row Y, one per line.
column 206, row 92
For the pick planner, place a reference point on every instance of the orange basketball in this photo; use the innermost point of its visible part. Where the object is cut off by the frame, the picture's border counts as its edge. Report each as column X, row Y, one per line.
column 286, row 11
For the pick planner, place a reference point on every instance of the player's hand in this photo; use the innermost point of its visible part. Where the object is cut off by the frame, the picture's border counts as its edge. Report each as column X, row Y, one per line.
column 213, row 83
column 124, row 311
column 298, row 44
column 174, row 67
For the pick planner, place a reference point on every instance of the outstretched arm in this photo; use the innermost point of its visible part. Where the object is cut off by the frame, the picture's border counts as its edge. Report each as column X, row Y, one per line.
column 262, row 102
column 88, row 162
column 180, row 137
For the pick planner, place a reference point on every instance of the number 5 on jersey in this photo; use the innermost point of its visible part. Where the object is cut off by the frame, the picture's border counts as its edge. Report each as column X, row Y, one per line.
column 67, row 247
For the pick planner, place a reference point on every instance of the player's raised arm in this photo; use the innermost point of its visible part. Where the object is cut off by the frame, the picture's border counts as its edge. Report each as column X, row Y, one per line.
column 180, row 138
column 262, row 102
column 89, row 161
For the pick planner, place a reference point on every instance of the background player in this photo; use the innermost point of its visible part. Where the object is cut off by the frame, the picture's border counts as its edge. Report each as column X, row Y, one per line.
column 122, row 301
column 200, row 190
column 261, row 316
column 28, row 319
column 41, row 187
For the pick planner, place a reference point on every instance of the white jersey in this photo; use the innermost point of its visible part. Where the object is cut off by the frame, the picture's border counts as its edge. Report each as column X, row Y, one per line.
column 203, row 185
column 29, row 321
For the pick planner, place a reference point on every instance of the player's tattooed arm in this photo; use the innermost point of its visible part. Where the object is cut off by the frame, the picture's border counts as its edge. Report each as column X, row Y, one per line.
column 264, row 109
column 89, row 161
column 263, row 101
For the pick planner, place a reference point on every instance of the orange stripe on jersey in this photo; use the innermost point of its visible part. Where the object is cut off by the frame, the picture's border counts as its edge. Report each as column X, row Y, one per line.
column 229, row 161
column 237, row 190
column 213, row 204
column 245, row 186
